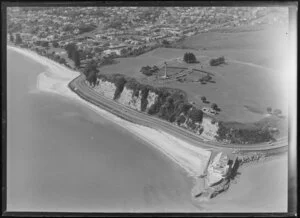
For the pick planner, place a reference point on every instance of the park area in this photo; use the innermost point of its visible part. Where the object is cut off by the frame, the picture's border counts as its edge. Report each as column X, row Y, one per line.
column 251, row 80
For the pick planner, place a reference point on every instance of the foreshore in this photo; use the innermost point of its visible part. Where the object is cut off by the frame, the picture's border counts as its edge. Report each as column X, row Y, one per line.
column 56, row 79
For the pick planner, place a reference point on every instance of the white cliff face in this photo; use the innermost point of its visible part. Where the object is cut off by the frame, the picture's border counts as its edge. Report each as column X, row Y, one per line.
column 209, row 129
column 129, row 101
column 151, row 99
column 106, row 88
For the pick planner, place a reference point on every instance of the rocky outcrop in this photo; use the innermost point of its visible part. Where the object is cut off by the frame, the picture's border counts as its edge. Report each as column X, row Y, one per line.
column 106, row 88
column 217, row 178
column 151, row 99
column 128, row 99
column 154, row 101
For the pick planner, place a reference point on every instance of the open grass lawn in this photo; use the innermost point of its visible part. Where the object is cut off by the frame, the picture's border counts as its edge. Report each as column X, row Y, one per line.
column 250, row 81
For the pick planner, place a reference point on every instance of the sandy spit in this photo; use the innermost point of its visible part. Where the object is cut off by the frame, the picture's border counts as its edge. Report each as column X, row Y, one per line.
column 56, row 79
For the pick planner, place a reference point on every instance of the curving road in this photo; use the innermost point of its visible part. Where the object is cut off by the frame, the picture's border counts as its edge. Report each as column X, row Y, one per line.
column 79, row 86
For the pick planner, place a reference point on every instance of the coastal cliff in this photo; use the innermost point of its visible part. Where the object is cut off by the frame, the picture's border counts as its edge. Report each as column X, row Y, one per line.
column 168, row 104
column 172, row 105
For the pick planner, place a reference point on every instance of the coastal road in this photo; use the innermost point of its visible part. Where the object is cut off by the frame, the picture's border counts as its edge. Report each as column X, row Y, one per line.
column 79, row 86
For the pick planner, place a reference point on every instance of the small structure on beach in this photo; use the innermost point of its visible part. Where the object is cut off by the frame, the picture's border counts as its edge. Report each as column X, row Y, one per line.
column 217, row 178
column 218, row 169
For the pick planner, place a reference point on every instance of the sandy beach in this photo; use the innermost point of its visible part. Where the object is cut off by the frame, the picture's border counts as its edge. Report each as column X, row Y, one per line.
column 56, row 79
column 261, row 187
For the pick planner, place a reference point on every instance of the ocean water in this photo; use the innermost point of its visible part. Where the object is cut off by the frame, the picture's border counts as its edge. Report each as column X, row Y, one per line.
column 61, row 156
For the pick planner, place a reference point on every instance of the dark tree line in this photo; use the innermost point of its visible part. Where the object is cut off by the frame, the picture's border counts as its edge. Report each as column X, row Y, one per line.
column 11, row 37
column 217, row 61
column 91, row 72
column 149, row 71
column 18, row 39
column 73, row 53
column 244, row 134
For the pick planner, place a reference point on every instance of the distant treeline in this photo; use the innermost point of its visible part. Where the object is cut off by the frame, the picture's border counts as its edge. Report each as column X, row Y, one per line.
column 217, row 61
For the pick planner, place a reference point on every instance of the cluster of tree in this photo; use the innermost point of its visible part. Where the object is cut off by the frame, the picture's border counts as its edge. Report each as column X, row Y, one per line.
column 217, row 61
column 14, row 27
column 140, row 50
column 56, row 58
column 276, row 112
column 55, row 44
column 42, row 43
column 165, row 43
column 215, row 107
column 18, row 39
column 206, row 78
column 149, row 71
column 204, row 99
column 189, row 57
column 11, row 37
column 68, row 28
column 118, row 79
column 108, row 60
column 73, row 53
column 91, row 72
column 243, row 135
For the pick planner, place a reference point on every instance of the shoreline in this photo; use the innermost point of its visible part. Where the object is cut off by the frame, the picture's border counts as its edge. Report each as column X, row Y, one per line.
column 56, row 79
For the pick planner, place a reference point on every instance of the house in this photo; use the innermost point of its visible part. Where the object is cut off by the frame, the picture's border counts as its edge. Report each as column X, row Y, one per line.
column 112, row 51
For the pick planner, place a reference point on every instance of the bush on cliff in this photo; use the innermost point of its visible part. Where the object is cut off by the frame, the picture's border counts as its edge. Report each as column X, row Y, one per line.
column 144, row 101
column 217, row 61
column 134, row 85
column 120, row 82
column 180, row 119
column 91, row 72
column 195, row 115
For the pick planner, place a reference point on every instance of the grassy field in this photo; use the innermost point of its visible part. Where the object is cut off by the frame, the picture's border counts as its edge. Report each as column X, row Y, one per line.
column 249, row 82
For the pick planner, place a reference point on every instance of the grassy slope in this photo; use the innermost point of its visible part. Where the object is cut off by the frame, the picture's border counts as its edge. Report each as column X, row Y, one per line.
column 237, row 84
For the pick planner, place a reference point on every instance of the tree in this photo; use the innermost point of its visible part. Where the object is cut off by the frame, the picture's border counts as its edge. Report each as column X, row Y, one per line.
column 217, row 61
column 45, row 44
column 269, row 110
column 165, row 42
column 148, row 71
column 195, row 114
column 91, row 72
column 18, row 38
column 55, row 44
column 123, row 52
column 11, row 37
column 189, row 57
column 76, row 58
column 70, row 48
column 62, row 61
column 277, row 111
column 214, row 106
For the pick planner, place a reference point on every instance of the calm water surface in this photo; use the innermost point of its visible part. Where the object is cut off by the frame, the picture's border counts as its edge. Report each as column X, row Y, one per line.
column 64, row 157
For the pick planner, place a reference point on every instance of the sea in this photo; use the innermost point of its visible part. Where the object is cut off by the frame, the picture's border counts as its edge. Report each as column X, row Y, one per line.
column 64, row 157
